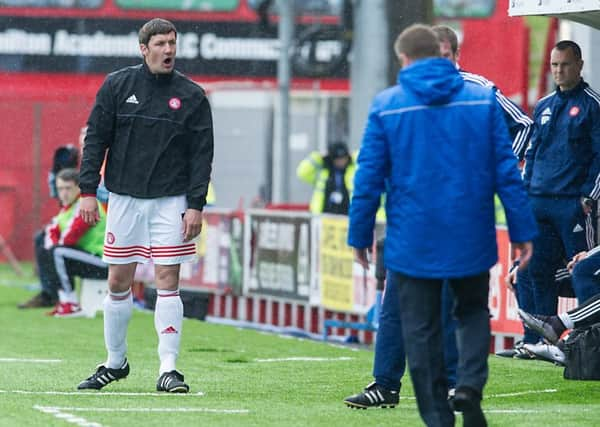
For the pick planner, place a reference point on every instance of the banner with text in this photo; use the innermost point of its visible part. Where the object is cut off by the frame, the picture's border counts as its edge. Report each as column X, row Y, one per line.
column 344, row 285
column 95, row 45
column 278, row 254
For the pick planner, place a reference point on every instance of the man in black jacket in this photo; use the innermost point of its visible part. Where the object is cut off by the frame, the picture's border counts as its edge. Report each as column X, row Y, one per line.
column 155, row 127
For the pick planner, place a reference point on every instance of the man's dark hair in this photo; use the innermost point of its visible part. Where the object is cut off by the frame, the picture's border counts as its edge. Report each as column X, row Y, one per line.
column 446, row 34
column 66, row 156
column 154, row 27
column 417, row 41
column 569, row 44
column 337, row 149
column 69, row 174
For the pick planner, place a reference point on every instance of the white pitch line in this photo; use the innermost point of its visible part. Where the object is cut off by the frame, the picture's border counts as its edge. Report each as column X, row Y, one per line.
column 344, row 347
column 521, row 393
column 519, row 411
column 305, row 359
column 10, row 359
column 70, row 418
column 99, row 393
column 212, row 410
column 516, row 393
column 532, row 411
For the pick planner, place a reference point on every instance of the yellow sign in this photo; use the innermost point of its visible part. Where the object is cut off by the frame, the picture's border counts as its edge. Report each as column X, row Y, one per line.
column 336, row 261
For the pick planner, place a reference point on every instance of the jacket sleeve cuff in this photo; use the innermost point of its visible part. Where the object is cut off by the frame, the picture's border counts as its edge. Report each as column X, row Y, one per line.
column 196, row 202
column 86, row 194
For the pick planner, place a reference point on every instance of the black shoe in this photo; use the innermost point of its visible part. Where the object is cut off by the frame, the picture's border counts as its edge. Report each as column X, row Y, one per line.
column 104, row 376
column 373, row 396
column 511, row 352
column 517, row 352
column 507, row 353
column 550, row 327
column 172, row 382
column 524, row 354
column 40, row 300
column 468, row 401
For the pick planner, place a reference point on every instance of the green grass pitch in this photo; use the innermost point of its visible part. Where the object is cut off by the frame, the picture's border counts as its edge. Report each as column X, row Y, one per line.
column 42, row 359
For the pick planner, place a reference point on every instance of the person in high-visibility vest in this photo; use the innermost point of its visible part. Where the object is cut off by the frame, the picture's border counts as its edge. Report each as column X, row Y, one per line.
column 332, row 177
column 70, row 248
column 211, row 198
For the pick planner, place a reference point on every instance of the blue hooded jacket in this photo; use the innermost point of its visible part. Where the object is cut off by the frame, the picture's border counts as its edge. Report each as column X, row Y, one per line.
column 439, row 147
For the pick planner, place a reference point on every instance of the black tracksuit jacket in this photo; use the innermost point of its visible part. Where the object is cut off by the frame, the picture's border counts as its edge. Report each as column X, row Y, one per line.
column 159, row 135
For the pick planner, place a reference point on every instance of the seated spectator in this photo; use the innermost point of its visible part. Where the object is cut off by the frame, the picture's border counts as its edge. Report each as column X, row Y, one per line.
column 71, row 248
column 519, row 283
column 552, row 327
column 66, row 156
column 584, row 269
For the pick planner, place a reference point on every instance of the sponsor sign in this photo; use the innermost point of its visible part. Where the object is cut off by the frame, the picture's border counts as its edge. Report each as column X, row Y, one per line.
column 336, row 265
column 278, row 254
column 89, row 45
column 344, row 284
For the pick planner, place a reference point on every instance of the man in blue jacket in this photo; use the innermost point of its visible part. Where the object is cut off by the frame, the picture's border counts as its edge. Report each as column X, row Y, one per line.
column 389, row 359
column 438, row 146
column 562, row 172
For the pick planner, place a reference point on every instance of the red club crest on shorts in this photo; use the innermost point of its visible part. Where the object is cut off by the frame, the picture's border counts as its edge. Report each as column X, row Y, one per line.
column 175, row 103
column 110, row 238
column 574, row 111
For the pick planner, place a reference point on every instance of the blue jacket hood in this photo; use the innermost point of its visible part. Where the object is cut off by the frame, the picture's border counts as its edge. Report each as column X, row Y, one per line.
column 432, row 80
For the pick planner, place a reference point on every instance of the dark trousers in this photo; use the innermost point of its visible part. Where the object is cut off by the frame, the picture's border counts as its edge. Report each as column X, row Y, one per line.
column 449, row 326
column 526, row 301
column 389, row 362
column 586, row 278
column 45, row 266
column 58, row 266
column 563, row 231
column 586, row 314
column 69, row 262
column 421, row 301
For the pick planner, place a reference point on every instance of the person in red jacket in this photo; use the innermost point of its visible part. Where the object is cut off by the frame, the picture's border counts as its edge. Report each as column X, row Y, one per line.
column 70, row 247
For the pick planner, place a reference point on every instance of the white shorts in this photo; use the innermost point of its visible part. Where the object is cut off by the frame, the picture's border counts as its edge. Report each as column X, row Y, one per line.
column 140, row 230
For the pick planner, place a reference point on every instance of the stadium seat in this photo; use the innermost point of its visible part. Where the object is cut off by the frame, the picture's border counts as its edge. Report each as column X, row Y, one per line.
column 92, row 295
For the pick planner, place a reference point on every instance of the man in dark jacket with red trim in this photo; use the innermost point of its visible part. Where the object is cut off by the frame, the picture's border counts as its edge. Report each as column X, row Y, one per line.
column 155, row 127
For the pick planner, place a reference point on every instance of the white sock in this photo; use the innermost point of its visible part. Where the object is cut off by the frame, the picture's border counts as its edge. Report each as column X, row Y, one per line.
column 566, row 319
column 65, row 297
column 168, row 320
column 117, row 312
